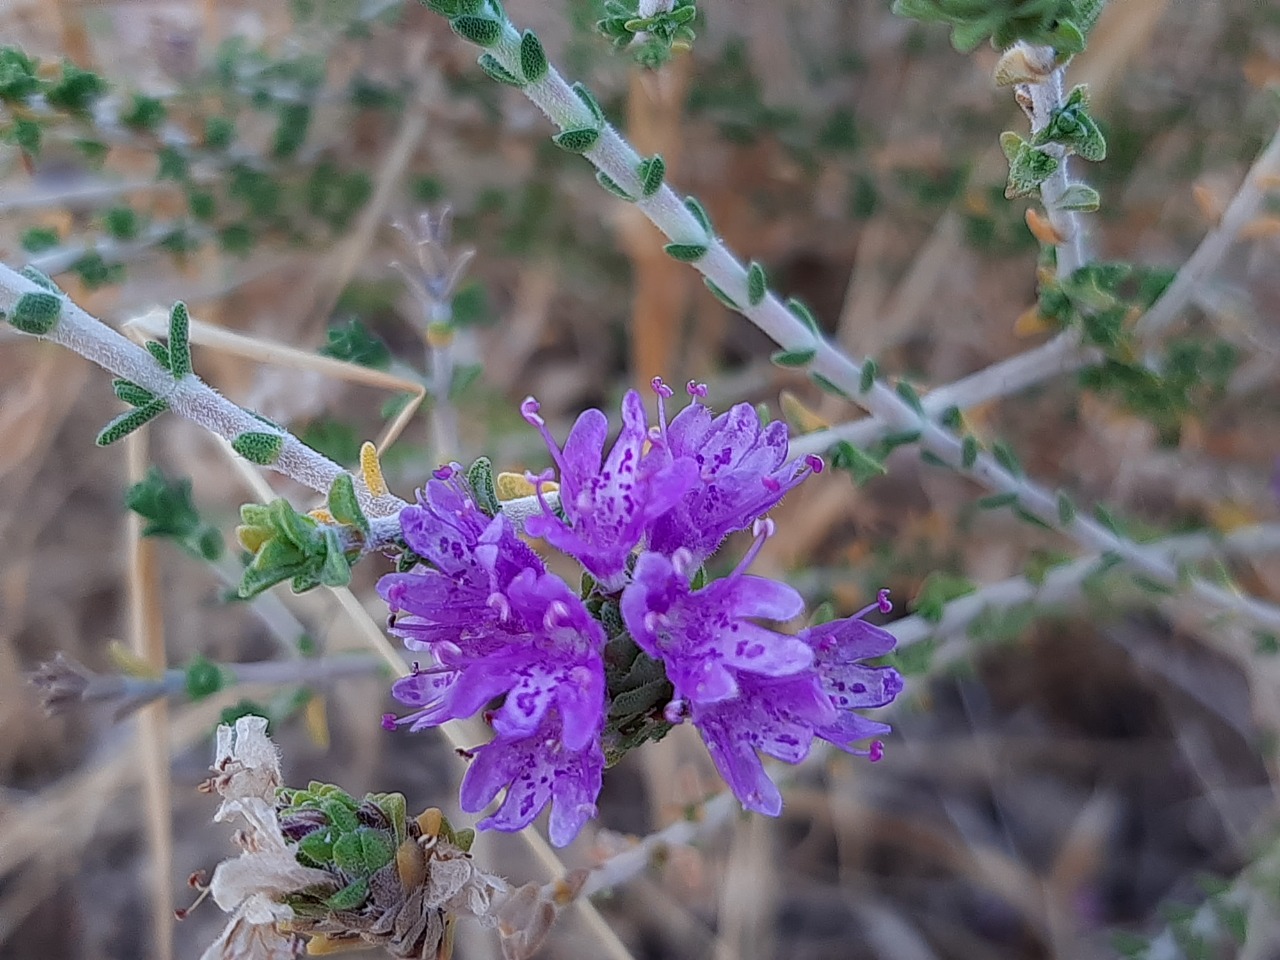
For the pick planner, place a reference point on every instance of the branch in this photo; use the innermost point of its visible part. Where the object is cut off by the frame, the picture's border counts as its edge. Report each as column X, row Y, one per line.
column 188, row 395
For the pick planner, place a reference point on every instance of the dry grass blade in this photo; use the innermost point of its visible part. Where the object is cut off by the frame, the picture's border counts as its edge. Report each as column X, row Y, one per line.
column 146, row 617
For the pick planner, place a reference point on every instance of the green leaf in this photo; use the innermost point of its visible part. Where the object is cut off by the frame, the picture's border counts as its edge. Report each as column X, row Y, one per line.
column 480, row 478
column 937, row 591
column 1079, row 197
column 576, row 141
column 908, row 393
column 720, row 294
column 39, row 239
column 129, row 421
column 344, row 505
column 171, row 164
column 867, row 379
column 482, row 31
column 144, row 113
column 260, row 448
column 496, row 71
column 219, row 132
column 861, row 465
column 533, row 59
column 998, row 500
column 699, row 214
column 757, row 284
column 36, row 313
column 590, row 102
column 316, row 848
column 605, row 181
column 159, row 352
column 1029, row 168
column 794, row 358
column 686, row 252
column 805, row 316
column 349, row 897
column 204, row 678
column 969, row 452
column 40, row 279
column 130, row 393
column 651, row 172
column 1006, row 458
column 179, row 341
column 122, row 223
column 354, row 343
column 827, row 386
column 335, row 571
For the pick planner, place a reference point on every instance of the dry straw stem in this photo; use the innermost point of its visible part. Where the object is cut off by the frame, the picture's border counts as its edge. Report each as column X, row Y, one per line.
column 146, row 619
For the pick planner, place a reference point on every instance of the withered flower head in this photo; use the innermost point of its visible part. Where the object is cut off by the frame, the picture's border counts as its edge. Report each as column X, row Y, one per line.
column 323, row 871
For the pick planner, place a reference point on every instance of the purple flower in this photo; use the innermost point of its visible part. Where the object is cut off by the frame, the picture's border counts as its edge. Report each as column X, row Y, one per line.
column 741, row 467
column 781, row 716
column 536, row 769
column 474, row 559
column 549, row 671
column 706, row 637
column 549, row 655
column 608, row 502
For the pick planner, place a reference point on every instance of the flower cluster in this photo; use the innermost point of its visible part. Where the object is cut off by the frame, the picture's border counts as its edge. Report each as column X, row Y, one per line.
column 571, row 677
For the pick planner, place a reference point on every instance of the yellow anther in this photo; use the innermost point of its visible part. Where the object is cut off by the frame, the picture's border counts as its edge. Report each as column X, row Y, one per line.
column 512, row 486
column 371, row 470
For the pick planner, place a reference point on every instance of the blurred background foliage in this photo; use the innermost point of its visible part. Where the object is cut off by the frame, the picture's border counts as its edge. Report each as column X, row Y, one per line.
column 1078, row 782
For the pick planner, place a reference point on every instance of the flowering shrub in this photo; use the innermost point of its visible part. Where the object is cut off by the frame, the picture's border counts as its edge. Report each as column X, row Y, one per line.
column 555, row 621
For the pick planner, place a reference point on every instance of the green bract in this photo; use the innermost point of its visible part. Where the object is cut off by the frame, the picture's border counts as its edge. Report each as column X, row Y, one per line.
column 1061, row 24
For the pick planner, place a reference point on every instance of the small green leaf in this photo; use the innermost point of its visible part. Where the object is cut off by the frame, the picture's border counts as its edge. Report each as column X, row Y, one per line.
column 720, row 294
column 867, row 380
column 344, row 505
column 699, row 214
column 204, row 678
column 1006, row 458
column 805, row 316
column 794, row 358
column 590, row 102
column 908, row 393
column 969, row 452
column 129, row 421
column 36, row 313
column 827, row 386
column 260, row 448
column 757, row 284
column 351, row 896
column 179, row 341
column 1080, row 198
column 937, row 591
column 952, row 418
column 131, row 393
column 496, row 71
column 651, row 172
column 576, row 141
column 609, row 184
column 686, row 252
column 39, row 239
column 480, row 479
column 159, row 352
column 861, row 465
column 316, row 848
column 533, row 59
column 1026, row 516
column 1029, row 168
column 336, row 571
column 998, row 500
column 482, row 31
